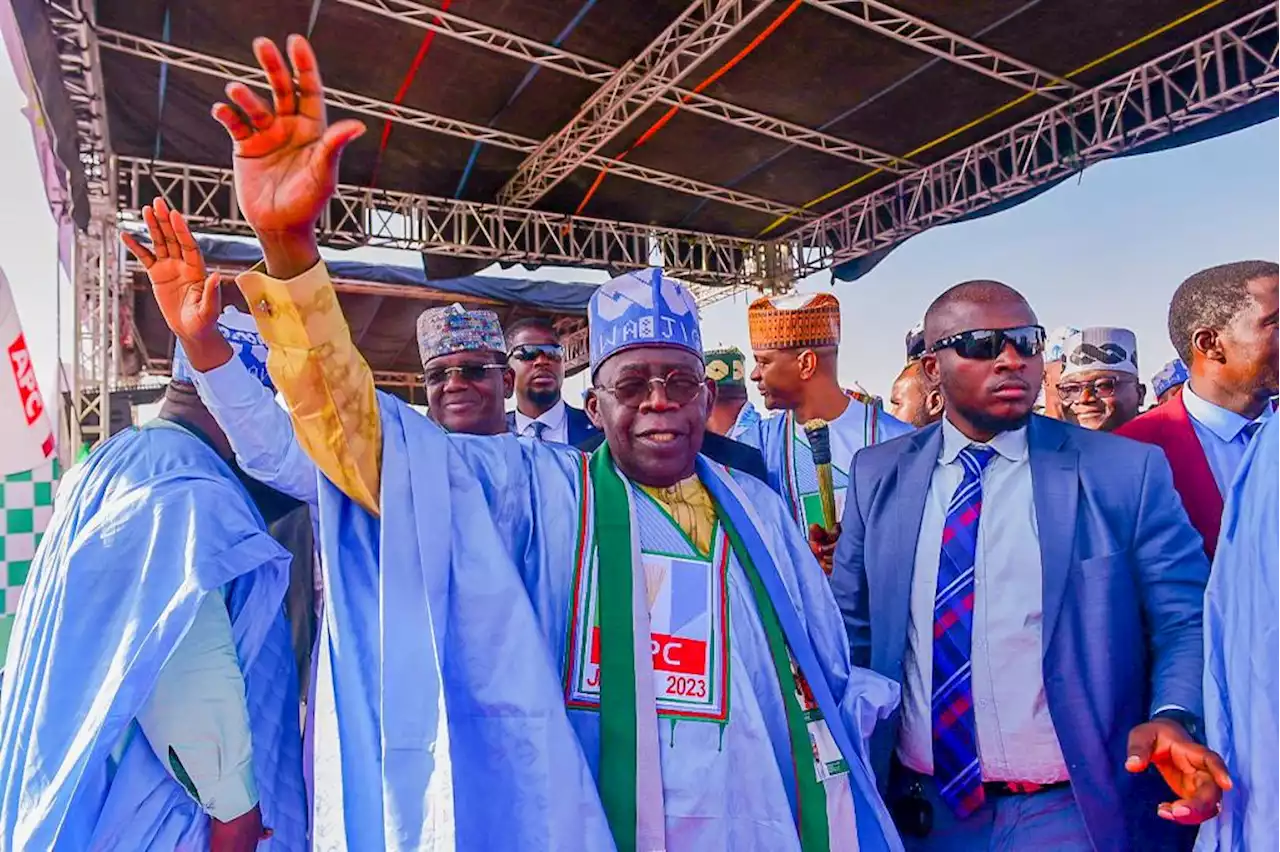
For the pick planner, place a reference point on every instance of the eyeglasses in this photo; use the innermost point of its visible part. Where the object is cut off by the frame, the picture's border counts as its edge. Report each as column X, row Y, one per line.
column 1101, row 388
column 531, row 351
column 986, row 344
column 680, row 386
column 470, row 373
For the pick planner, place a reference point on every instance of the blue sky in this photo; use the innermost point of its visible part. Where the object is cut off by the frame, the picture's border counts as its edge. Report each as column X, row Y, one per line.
column 1107, row 248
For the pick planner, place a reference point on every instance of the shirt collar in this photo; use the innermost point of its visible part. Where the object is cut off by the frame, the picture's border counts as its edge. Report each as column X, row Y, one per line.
column 1011, row 445
column 1223, row 423
column 552, row 417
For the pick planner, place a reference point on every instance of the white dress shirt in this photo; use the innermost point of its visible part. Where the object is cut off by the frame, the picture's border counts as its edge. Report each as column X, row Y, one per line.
column 1222, row 435
column 555, row 422
column 1016, row 737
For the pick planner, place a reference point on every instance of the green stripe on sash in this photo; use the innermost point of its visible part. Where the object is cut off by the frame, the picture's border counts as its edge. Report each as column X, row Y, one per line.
column 618, row 746
column 617, row 650
column 811, row 797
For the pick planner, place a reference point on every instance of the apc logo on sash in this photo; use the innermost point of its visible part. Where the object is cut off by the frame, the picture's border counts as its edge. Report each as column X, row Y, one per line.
column 688, row 637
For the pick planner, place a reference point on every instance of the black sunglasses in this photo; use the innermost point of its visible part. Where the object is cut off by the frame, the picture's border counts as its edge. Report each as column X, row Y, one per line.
column 470, row 373
column 986, row 344
column 531, row 351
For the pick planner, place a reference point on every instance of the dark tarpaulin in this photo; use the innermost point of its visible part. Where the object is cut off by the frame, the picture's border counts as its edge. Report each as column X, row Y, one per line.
column 551, row 296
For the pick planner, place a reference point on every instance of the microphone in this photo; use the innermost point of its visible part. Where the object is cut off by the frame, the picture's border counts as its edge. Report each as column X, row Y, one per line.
column 819, row 435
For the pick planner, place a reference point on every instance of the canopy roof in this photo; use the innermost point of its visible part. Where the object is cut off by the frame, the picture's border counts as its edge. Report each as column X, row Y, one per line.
column 749, row 140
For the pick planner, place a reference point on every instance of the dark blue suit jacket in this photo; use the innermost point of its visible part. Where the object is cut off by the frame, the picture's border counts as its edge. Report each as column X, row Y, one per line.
column 576, row 419
column 1124, row 576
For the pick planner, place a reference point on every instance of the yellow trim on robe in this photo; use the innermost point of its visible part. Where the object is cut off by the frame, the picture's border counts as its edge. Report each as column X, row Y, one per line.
column 689, row 504
column 323, row 377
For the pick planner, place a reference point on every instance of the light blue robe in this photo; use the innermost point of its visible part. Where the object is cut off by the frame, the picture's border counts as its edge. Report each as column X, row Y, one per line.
column 440, row 690
column 746, row 428
column 860, row 426
column 1241, row 683
column 152, row 523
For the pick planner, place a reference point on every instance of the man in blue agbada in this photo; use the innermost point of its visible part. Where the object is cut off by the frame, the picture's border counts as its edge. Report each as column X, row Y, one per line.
column 1241, row 682
column 150, row 697
column 526, row 647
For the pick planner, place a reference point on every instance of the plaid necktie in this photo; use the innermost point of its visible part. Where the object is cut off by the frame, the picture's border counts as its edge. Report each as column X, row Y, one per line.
column 539, row 430
column 1250, row 429
column 956, row 769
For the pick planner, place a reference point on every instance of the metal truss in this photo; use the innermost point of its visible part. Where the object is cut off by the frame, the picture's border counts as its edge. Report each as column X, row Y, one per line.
column 698, row 32
column 548, row 56
column 885, row 20
column 81, row 76
column 359, row 216
column 95, row 271
column 576, row 350
column 97, row 319
column 1228, row 68
column 181, row 57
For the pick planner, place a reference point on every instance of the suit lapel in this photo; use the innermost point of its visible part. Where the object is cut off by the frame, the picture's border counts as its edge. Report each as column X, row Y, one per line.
column 1192, row 475
column 915, row 470
column 1055, row 481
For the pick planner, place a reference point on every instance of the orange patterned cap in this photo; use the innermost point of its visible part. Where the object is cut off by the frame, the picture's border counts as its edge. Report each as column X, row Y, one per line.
column 794, row 321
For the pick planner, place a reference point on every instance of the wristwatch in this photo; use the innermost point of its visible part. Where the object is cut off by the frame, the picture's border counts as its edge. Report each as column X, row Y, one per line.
column 1188, row 721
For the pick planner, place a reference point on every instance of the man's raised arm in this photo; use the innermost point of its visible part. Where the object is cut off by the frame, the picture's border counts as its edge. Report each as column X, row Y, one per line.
column 286, row 169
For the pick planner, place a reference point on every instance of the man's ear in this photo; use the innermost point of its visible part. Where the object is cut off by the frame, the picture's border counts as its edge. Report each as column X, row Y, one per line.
column 929, row 366
column 508, row 383
column 808, row 360
column 592, row 406
column 933, row 403
column 1207, row 343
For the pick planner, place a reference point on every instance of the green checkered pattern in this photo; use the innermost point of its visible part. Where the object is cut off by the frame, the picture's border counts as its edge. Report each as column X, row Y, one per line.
column 26, row 504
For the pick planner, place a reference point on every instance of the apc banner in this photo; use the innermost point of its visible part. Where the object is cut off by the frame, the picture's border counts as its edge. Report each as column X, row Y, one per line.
column 26, row 429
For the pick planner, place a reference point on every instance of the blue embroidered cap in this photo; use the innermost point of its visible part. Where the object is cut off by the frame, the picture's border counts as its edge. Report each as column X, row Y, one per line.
column 238, row 329
column 444, row 331
column 1173, row 374
column 643, row 308
column 1055, row 345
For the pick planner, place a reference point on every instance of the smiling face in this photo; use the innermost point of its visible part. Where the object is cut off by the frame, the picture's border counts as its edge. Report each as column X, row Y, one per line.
column 468, row 400
column 983, row 397
column 1102, row 400
column 656, row 442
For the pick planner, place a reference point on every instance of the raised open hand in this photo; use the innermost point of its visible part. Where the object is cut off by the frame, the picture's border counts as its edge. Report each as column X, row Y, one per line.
column 189, row 298
column 286, row 159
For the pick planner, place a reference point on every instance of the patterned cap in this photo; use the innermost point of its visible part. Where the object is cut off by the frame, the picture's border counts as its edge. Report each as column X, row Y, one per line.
column 643, row 308
column 444, row 331
column 795, row 321
column 727, row 367
column 1173, row 374
column 238, row 329
column 915, row 342
column 1055, row 343
column 1101, row 348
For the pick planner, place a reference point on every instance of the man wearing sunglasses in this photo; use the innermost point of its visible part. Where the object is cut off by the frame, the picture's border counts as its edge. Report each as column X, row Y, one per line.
column 1098, row 387
column 481, row 586
column 537, row 361
column 464, row 369
column 1037, row 591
